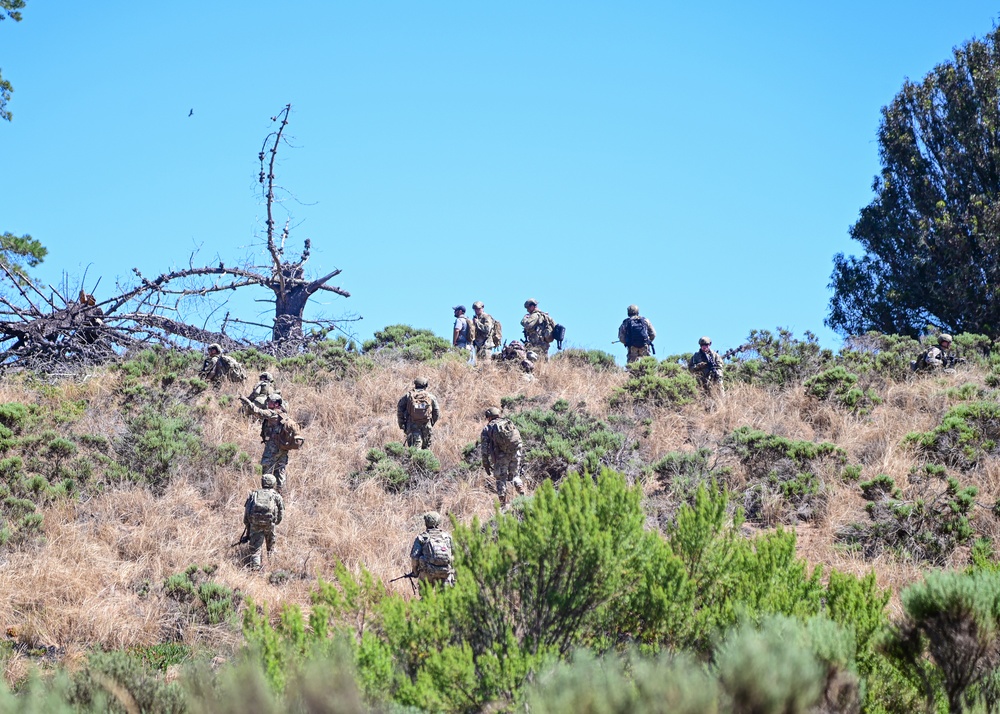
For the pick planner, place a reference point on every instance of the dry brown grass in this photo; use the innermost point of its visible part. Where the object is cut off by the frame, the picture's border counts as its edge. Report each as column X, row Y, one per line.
column 83, row 585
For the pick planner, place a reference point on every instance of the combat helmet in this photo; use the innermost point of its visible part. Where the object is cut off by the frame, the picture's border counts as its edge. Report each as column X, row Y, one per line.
column 529, row 302
column 266, row 377
column 704, row 340
column 633, row 310
column 215, row 346
column 274, row 397
column 944, row 337
column 477, row 303
column 492, row 413
column 268, row 481
column 432, row 519
column 420, row 382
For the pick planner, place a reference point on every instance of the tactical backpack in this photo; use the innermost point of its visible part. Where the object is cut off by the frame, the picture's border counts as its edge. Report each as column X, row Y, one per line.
column 419, row 407
column 263, row 508
column 636, row 333
column 546, row 330
column 496, row 334
column 559, row 334
column 504, row 436
column 436, row 554
column 233, row 369
column 288, row 434
column 471, row 334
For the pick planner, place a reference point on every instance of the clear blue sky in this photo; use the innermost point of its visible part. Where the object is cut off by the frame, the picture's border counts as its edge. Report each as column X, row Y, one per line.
column 704, row 160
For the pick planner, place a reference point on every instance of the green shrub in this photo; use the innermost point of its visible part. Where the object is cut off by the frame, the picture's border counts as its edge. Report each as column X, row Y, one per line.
column 838, row 385
column 784, row 476
column 408, row 343
column 131, row 686
column 161, row 441
column 564, row 438
column 770, row 360
column 926, row 526
column 659, row 384
column 597, row 360
column 398, row 468
column 679, row 475
column 968, row 433
column 949, row 640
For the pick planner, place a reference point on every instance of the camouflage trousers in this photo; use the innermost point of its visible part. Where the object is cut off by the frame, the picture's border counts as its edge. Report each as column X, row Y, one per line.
column 508, row 470
column 419, row 435
column 539, row 348
column 274, row 461
column 712, row 385
column 635, row 353
column 435, row 580
column 483, row 352
column 258, row 537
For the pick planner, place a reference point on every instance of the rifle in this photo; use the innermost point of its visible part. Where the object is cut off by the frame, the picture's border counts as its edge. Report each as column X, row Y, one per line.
column 411, row 576
column 245, row 538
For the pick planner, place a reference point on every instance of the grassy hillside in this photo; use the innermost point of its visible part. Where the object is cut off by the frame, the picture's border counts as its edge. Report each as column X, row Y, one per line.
column 123, row 486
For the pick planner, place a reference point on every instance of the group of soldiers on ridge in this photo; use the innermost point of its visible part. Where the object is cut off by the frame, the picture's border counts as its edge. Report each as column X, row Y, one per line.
column 418, row 411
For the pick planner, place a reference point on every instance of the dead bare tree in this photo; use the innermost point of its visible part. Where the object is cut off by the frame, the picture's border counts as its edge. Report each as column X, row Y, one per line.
column 42, row 328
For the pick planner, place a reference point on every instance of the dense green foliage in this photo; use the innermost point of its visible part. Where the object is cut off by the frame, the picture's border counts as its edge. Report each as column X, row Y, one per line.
column 660, row 384
column 407, row 343
column 968, row 433
column 930, row 236
column 397, row 467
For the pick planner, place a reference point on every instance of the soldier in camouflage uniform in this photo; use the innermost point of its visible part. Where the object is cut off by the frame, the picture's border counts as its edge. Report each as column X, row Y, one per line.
column 629, row 334
column 938, row 357
column 500, row 442
column 416, row 413
column 262, row 390
column 263, row 510
column 538, row 329
column 706, row 366
column 432, row 556
column 274, row 460
column 212, row 368
column 484, row 331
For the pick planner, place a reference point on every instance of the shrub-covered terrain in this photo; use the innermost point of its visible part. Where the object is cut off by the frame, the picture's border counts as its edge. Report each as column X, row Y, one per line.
column 768, row 550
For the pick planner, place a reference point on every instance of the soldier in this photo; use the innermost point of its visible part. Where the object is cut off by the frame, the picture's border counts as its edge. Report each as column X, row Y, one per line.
column 637, row 334
column 706, row 365
column 431, row 557
column 464, row 332
column 217, row 367
column 263, row 510
column 279, row 433
column 515, row 352
column 211, row 368
column 264, row 388
column 500, row 442
column 938, row 357
column 484, row 324
column 416, row 413
column 539, row 329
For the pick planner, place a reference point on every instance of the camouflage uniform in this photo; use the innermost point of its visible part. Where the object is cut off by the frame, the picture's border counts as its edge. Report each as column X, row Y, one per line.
column 536, row 325
column 262, row 531
column 211, row 368
column 503, row 466
column 700, row 366
column 515, row 351
column 635, row 351
column 264, row 388
column 484, row 333
column 274, row 460
column 937, row 357
column 419, row 552
column 418, row 435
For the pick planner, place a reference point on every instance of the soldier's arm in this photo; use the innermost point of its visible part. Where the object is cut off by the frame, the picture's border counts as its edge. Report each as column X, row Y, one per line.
column 697, row 362
column 401, row 412
column 435, row 410
column 621, row 333
column 650, row 330
column 281, row 509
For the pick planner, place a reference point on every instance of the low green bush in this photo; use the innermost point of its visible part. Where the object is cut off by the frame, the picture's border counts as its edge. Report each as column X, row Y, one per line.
column 968, row 433
column 659, row 384
column 398, row 467
column 408, row 343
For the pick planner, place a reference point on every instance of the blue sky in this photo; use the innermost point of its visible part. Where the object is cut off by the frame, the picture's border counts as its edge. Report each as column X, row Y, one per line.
column 703, row 160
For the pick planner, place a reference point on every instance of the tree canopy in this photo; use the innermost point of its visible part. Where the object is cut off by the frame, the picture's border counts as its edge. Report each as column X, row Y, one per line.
column 931, row 233
column 11, row 9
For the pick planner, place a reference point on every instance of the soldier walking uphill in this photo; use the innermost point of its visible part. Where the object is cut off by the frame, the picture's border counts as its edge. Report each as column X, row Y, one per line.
column 539, row 329
column 500, row 442
column 280, row 434
column 416, row 413
column 637, row 334
column 487, row 332
column 263, row 389
column 706, row 366
column 431, row 557
column 263, row 510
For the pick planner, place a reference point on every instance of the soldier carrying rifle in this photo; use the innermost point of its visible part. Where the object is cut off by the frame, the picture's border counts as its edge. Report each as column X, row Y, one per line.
column 706, row 366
